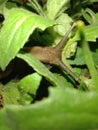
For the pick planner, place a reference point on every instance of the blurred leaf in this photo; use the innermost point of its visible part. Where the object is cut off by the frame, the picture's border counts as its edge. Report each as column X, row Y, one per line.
column 65, row 109
column 11, row 5
column 93, row 1
column 16, row 30
column 3, row 2
column 3, row 8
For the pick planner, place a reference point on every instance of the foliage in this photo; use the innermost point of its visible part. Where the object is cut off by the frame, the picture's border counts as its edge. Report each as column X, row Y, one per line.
column 62, row 106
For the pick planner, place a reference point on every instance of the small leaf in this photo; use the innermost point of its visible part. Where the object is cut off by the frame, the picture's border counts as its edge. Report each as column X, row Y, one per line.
column 78, row 59
column 54, row 6
column 16, row 31
column 63, row 24
column 89, row 15
column 10, row 93
column 91, row 32
column 30, row 83
column 28, row 86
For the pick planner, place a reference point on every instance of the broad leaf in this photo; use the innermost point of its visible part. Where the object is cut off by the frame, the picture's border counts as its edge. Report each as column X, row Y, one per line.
column 16, row 31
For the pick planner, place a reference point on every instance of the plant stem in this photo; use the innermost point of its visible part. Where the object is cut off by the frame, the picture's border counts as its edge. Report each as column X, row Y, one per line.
column 90, row 63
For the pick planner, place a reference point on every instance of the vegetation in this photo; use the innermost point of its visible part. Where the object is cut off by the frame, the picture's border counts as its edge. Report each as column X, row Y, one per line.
column 48, row 88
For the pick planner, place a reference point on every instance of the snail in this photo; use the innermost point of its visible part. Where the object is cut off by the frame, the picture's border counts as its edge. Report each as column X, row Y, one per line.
column 52, row 55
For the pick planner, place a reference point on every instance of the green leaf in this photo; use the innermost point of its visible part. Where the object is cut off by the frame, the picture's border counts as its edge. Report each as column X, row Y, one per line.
column 10, row 93
column 78, row 59
column 93, row 1
column 89, row 16
column 16, row 31
column 64, row 81
column 54, row 6
column 95, row 57
column 35, row 5
column 91, row 32
column 3, row 9
column 63, row 24
column 65, row 109
column 41, row 69
column 28, row 86
column 90, row 63
column 30, row 83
